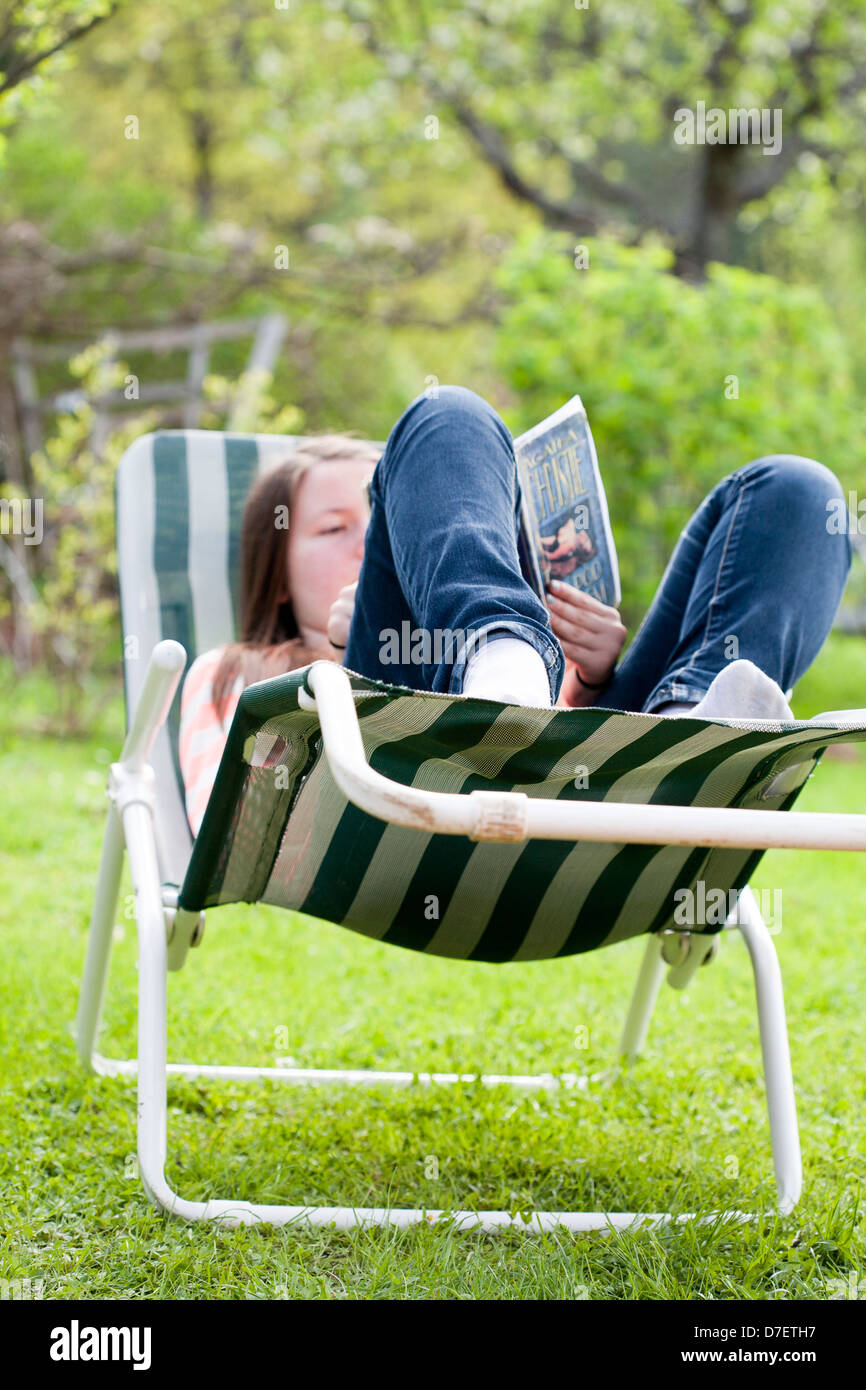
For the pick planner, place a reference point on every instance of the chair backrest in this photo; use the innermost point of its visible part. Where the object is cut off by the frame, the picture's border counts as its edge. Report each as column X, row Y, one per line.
column 179, row 497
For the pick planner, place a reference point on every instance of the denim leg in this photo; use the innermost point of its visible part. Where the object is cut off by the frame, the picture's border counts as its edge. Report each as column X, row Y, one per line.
column 756, row 574
column 441, row 571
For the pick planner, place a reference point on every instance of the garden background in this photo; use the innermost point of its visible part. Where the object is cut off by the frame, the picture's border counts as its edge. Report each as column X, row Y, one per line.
column 426, row 193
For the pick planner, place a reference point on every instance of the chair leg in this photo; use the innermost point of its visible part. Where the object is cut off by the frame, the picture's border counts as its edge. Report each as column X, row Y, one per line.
column 129, row 780
column 152, row 1069
column 643, row 1000
column 152, row 1106
column 152, row 1001
column 99, row 939
column 781, row 1102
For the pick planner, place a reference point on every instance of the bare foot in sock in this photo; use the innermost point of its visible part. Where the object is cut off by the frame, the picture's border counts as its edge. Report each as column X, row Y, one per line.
column 739, row 691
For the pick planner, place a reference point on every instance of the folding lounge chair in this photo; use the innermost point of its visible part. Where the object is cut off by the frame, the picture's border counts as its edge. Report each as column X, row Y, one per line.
column 352, row 800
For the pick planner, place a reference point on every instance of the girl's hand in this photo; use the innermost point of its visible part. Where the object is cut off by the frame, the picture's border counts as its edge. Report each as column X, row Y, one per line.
column 590, row 632
column 340, row 617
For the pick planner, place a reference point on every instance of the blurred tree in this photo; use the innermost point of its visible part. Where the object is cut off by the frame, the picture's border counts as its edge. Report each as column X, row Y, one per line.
column 75, row 612
column 32, row 31
column 363, row 167
column 219, row 156
column 682, row 383
column 576, row 107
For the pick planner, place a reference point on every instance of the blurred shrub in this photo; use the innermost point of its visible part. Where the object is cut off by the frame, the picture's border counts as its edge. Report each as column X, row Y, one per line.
column 682, row 383
column 254, row 409
column 76, row 611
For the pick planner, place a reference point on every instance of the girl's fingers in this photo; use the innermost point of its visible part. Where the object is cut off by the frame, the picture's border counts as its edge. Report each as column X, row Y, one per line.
column 570, row 637
column 590, row 644
column 593, row 650
column 584, row 621
column 568, row 624
column 579, row 628
column 576, row 598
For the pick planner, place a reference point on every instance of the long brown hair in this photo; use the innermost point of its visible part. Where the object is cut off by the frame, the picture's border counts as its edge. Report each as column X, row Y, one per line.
column 269, row 642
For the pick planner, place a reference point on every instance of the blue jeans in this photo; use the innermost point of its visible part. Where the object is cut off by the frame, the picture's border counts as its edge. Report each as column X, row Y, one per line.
column 441, row 571
column 755, row 574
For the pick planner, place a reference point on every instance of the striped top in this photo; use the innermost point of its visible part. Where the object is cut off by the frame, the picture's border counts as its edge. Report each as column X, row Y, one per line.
column 202, row 733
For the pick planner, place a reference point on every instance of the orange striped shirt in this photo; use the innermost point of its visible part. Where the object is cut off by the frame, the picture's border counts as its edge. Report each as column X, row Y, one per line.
column 202, row 734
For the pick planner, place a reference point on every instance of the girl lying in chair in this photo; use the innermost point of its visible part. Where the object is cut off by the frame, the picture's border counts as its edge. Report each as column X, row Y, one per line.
column 437, row 555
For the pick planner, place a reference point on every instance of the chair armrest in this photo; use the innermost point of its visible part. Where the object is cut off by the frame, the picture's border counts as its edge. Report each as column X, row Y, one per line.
column 497, row 815
column 167, row 661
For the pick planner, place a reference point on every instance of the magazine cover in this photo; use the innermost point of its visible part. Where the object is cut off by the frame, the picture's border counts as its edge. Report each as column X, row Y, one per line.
column 565, row 532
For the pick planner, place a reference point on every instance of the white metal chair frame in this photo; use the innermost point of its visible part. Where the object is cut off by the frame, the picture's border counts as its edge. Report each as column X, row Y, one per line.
column 166, row 932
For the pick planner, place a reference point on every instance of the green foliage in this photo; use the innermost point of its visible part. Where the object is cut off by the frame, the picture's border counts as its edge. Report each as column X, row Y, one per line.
column 77, row 607
column 575, row 105
column 682, row 384
column 837, row 680
column 254, row 406
column 36, row 34
column 257, row 129
column 307, row 129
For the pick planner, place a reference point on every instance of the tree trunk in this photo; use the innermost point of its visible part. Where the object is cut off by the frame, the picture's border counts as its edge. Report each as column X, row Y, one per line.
column 13, row 464
column 709, row 238
column 202, row 143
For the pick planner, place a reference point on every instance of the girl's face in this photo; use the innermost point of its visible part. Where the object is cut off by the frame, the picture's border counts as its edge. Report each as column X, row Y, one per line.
column 326, row 540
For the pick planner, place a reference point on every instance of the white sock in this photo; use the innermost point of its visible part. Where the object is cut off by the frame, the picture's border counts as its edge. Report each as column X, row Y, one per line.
column 739, row 691
column 508, row 670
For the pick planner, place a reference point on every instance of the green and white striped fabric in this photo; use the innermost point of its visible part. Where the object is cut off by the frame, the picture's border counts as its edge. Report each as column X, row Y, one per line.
column 278, row 829
column 179, row 497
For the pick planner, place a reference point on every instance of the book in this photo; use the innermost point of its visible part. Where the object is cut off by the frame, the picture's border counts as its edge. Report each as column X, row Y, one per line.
column 565, row 530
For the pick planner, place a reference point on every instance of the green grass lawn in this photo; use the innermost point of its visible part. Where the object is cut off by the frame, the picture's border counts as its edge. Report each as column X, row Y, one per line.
column 686, row 1128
